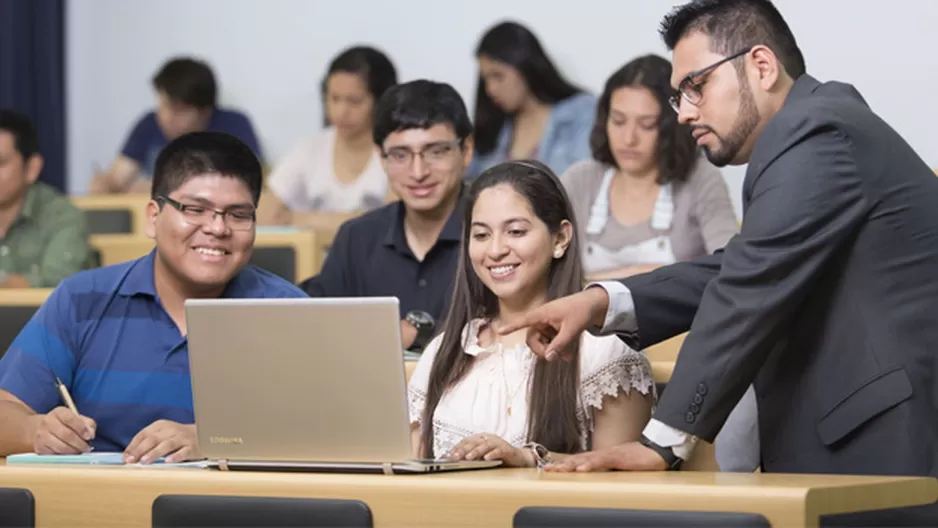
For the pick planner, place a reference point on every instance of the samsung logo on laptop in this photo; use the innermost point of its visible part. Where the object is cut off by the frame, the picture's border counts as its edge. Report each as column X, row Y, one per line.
column 225, row 440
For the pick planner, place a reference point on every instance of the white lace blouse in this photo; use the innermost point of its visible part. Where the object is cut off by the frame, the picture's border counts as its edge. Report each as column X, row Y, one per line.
column 493, row 396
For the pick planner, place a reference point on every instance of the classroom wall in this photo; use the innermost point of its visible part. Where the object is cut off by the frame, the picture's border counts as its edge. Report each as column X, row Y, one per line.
column 269, row 55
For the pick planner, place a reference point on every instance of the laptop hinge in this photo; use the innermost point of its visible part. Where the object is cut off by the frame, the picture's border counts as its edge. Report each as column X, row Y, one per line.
column 387, row 468
column 223, row 464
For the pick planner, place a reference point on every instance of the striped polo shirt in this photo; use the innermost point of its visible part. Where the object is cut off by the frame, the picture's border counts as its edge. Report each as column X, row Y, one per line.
column 105, row 334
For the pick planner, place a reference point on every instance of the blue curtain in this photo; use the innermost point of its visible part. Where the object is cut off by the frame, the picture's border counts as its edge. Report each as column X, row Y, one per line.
column 32, row 74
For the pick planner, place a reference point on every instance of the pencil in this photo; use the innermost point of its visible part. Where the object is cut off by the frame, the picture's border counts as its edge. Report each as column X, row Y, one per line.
column 66, row 397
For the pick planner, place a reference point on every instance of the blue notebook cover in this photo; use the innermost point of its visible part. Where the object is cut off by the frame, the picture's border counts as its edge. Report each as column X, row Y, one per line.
column 112, row 459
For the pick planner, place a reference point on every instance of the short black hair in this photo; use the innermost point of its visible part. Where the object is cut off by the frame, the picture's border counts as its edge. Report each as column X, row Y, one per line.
column 25, row 138
column 420, row 104
column 734, row 25
column 677, row 150
column 199, row 153
column 188, row 81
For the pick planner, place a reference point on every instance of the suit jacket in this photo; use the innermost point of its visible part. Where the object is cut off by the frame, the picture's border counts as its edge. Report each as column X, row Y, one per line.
column 827, row 299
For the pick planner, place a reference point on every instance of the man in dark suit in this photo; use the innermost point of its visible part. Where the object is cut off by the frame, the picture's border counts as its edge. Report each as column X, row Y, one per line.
column 827, row 299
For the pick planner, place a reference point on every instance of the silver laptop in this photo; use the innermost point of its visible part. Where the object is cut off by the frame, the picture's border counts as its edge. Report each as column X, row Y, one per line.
column 303, row 385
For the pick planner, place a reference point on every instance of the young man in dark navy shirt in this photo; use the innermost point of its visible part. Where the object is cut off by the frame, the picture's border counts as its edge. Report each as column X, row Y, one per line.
column 408, row 249
column 186, row 101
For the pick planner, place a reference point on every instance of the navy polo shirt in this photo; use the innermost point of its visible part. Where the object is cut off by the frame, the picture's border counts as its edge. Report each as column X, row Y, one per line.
column 370, row 257
column 146, row 140
column 105, row 334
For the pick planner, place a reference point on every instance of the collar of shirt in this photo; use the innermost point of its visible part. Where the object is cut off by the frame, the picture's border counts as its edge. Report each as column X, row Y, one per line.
column 28, row 211
column 139, row 281
column 452, row 230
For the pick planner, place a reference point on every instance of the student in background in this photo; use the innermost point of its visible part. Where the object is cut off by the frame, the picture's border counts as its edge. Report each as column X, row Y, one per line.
column 475, row 395
column 408, row 249
column 337, row 170
column 648, row 197
column 524, row 106
column 42, row 234
column 116, row 336
column 186, row 101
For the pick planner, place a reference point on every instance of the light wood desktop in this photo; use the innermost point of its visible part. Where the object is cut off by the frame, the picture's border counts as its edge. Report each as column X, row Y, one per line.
column 665, row 351
column 23, row 296
column 123, row 496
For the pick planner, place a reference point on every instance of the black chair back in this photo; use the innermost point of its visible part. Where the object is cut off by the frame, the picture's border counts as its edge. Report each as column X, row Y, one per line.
column 227, row 510
column 548, row 517
column 17, row 508
column 109, row 221
column 12, row 320
column 277, row 260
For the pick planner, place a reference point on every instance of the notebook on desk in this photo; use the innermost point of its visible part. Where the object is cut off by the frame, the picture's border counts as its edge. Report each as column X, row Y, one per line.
column 93, row 459
column 303, row 385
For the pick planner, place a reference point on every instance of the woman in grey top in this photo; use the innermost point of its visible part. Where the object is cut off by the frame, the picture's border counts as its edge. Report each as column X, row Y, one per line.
column 647, row 199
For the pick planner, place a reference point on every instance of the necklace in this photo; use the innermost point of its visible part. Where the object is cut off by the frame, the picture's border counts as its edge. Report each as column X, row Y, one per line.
column 510, row 394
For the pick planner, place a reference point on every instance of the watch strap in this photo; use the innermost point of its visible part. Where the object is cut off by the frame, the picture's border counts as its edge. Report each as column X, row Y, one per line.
column 671, row 459
column 541, row 453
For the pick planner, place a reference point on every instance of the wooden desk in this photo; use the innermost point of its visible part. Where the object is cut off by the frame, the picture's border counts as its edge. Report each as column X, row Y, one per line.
column 23, row 296
column 666, row 351
column 79, row 496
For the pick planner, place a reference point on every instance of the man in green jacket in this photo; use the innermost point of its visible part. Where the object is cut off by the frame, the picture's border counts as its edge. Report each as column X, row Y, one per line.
column 42, row 234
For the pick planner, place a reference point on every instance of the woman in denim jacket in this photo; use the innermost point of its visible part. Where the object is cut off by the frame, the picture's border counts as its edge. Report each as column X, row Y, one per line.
column 525, row 109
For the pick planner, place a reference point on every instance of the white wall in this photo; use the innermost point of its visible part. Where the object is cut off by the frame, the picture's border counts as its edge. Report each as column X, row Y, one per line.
column 269, row 55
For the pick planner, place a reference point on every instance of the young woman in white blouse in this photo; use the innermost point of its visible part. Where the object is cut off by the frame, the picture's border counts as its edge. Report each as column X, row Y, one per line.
column 476, row 395
column 337, row 173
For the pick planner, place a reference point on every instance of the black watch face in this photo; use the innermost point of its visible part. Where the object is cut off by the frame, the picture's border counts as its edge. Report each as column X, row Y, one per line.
column 420, row 318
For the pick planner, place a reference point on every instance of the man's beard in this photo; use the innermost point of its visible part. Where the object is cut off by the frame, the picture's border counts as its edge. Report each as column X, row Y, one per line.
column 746, row 122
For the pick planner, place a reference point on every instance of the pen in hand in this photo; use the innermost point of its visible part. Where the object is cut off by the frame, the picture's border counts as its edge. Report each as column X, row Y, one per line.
column 67, row 398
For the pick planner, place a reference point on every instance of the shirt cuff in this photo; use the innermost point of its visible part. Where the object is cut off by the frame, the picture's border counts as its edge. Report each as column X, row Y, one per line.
column 666, row 436
column 620, row 316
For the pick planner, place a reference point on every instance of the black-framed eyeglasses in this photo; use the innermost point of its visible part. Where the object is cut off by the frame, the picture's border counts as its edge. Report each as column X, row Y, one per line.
column 235, row 219
column 690, row 88
column 432, row 154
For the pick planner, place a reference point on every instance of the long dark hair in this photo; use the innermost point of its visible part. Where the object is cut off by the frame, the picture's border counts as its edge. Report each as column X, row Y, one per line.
column 552, row 393
column 373, row 66
column 516, row 46
column 677, row 151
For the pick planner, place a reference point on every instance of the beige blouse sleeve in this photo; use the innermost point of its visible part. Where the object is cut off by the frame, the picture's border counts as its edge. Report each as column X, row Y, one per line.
column 713, row 207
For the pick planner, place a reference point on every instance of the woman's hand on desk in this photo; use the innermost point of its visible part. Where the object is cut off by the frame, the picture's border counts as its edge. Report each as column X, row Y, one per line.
column 491, row 447
column 631, row 456
column 62, row 432
column 163, row 438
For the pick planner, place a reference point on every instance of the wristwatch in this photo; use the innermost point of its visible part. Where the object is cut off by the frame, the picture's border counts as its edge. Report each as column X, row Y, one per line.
column 423, row 322
column 541, row 454
column 674, row 462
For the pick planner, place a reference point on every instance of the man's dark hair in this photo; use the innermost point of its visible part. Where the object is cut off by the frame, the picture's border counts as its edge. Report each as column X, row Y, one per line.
column 420, row 104
column 188, row 81
column 734, row 25
column 25, row 139
column 198, row 153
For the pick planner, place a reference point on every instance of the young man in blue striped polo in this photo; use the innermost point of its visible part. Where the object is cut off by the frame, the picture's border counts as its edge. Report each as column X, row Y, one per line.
column 116, row 336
